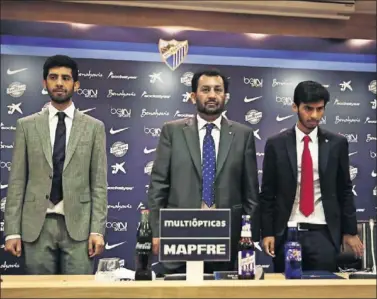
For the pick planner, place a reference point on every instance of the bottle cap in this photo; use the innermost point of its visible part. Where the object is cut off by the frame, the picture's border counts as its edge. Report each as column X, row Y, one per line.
column 292, row 224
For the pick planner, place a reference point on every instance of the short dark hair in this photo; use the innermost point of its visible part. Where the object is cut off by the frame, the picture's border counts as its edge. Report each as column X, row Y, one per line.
column 61, row 61
column 310, row 92
column 208, row 73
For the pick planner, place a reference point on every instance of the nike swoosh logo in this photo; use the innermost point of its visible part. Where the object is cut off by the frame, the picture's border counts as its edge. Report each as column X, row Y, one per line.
column 256, row 134
column 87, row 110
column 278, row 118
column 374, row 174
column 108, row 247
column 148, row 151
column 351, row 154
column 9, row 72
column 3, row 186
column 248, row 100
column 112, row 131
column 257, row 246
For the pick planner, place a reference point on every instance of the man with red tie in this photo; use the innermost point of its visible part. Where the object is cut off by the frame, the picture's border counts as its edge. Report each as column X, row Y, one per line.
column 306, row 179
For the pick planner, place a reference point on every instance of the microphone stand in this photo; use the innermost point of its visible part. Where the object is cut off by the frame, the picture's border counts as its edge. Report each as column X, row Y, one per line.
column 371, row 225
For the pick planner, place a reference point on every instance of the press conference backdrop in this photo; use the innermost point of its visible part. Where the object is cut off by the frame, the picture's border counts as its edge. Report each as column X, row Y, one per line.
column 134, row 96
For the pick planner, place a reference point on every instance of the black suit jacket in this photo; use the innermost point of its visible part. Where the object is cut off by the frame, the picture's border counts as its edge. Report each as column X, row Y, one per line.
column 176, row 178
column 279, row 184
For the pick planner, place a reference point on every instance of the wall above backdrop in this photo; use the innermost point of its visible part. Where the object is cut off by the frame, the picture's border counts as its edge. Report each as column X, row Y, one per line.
column 324, row 19
column 322, row 9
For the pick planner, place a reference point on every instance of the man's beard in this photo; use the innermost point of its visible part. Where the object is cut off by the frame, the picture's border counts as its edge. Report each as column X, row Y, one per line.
column 217, row 110
column 303, row 123
column 60, row 99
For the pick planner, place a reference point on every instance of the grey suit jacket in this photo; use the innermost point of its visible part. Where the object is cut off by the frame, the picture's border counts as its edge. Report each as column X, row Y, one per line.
column 84, row 178
column 176, row 178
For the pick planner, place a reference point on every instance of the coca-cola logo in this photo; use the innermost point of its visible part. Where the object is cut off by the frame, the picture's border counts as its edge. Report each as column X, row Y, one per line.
column 147, row 246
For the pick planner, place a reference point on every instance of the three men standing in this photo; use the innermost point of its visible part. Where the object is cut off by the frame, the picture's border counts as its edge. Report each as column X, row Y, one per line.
column 57, row 196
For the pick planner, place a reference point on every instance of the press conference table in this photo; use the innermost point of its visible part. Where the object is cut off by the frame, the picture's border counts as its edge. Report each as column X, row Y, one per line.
column 274, row 286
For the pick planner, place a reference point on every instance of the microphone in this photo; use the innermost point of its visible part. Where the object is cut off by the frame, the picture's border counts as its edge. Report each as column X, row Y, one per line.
column 371, row 225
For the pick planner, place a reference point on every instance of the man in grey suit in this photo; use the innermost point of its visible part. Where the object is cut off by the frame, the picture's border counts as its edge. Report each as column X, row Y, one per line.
column 205, row 162
column 57, row 194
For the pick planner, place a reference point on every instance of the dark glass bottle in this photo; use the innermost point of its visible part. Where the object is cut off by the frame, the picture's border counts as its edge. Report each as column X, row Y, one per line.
column 292, row 253
column 143, row 248
column 246, row 251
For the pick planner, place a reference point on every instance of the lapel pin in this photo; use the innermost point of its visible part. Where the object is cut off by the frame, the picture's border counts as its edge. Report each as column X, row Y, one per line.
column 326, row 140
column 230, row 133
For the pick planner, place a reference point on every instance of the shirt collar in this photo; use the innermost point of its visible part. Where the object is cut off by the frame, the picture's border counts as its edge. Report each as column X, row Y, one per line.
column 70, row 111
column 300, row 135
column 202, row 122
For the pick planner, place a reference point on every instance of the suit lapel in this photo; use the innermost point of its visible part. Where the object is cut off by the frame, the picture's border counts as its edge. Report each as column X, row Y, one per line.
column 43, row 129
column 226, row 137
column 290, row 143
column 323, row 151
column 192, row 140
column 78, row 126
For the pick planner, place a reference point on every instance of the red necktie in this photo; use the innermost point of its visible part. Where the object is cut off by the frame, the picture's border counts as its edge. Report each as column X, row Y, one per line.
column 307, row 185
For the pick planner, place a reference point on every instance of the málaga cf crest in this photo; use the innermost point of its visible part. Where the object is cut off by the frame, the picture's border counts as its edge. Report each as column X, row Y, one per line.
column 173, row 52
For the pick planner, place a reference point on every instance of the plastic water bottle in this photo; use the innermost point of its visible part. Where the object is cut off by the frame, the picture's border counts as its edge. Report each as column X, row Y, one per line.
column 292, row 253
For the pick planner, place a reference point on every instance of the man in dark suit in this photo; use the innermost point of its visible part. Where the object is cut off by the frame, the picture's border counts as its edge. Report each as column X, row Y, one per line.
column 205, row 162
column 306, row 180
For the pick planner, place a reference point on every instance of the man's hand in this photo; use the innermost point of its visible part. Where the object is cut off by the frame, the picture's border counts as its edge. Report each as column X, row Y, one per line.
column 355, row 243
column 96, row 245
column 13, row 246
column 155, row 245
column 269, row 246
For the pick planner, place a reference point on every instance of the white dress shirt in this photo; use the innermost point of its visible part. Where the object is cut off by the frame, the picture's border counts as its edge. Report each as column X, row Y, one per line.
column 318, row 215
column 216, row 138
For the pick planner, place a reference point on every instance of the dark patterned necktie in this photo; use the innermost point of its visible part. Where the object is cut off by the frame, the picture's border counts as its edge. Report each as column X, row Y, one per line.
column 209, row 166
column 58, row 158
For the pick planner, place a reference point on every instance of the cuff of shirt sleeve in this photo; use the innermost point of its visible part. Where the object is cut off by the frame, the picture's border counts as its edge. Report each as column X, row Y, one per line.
column 12, row 237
